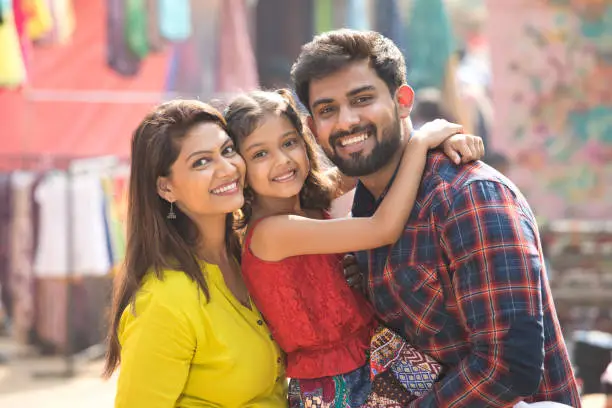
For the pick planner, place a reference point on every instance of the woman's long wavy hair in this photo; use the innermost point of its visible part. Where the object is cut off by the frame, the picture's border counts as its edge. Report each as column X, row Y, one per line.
column 154, row 241
column 246, row 112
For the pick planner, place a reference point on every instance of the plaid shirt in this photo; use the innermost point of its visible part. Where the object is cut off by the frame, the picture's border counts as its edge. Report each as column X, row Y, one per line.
column 466, row 284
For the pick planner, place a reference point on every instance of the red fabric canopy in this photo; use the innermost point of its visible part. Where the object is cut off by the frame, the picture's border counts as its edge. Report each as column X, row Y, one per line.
column 74, row 105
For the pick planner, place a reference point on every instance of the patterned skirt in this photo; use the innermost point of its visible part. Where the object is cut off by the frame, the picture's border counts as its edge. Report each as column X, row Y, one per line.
column 396, row 374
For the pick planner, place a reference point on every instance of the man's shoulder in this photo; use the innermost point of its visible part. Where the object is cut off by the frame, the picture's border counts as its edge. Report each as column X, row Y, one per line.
column 443, row 179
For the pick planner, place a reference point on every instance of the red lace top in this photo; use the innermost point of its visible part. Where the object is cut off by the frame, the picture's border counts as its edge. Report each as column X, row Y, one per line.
column 322, row 324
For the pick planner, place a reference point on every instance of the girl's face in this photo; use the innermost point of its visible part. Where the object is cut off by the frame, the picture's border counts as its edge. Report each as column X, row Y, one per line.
column 208, row 176
column 275, row 154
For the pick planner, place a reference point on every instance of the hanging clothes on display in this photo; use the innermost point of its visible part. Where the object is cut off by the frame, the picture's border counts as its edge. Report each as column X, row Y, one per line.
column 207, row 44
column 64, row 24
column 39, row 257
column 51, row 254
column 339, row 13
column 40, row 20
column 91, row 256
column 433, row 45
column 237, row 70
column 357, row 15
column 21, row 21
column 136, row 27
column 12, row 69
column 276, row 53
column 22, row 255
column 6, row 298
column 115, row 214
column 432, row 57
column 323, row 16
column 89, row 252
column 175, row 22
column 218, row 57
column 181, row 78
column 154, row 37
column 193, row 65
column 120, row 57
column 389, row 22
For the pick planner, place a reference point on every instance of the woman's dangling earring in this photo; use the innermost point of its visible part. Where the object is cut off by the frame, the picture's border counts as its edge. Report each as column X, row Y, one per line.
column 171, row 214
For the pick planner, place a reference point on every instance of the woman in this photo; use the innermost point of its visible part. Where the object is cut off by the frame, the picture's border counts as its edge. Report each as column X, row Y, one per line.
column 183, row 326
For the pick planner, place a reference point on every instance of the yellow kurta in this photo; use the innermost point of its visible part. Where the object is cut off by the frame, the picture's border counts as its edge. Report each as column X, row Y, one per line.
column 179, row 351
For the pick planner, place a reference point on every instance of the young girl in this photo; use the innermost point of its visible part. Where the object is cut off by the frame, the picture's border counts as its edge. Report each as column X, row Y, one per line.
column 290, row 262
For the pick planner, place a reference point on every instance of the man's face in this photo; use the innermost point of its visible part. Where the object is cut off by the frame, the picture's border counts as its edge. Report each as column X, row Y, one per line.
column 356, row 120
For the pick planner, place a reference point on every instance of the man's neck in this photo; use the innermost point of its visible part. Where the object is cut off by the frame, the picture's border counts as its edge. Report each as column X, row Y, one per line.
column 377, row 182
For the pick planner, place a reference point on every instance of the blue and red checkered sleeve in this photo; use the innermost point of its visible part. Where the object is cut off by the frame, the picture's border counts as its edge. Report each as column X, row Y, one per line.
column 490, row 237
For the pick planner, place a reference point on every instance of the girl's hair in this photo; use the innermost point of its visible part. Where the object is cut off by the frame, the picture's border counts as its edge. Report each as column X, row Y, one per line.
column 247, row 112
column 154, row 241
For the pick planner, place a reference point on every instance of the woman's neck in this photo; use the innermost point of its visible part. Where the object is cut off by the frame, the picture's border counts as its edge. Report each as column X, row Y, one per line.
column 212, row 247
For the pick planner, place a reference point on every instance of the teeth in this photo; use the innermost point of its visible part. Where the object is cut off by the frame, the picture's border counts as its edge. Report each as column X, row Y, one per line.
column 225, row 188
column 285, row 176
column 354, row 139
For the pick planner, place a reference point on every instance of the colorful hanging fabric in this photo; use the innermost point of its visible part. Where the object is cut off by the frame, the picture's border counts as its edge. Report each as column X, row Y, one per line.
column 389, row 23
column 120, row 57
column 207, row 44
column 62, row 12
column 237, row 69
column 323, row 14
column 193, row 65
column 175, row 19
column 12, row 68
column 115, row 196
column 136, row 27
column 430, row 54
column 156, row 42
column 357, row 15
column 21, row 19
column 339, row 13
column 40, row 21
column 21, row 252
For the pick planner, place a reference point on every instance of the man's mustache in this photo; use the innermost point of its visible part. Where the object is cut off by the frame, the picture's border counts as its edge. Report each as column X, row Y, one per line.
column 333, row 139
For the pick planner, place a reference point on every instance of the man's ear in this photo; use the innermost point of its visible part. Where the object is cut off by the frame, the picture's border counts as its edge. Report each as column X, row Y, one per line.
column 404, row 96
column 311, row 125
column 164, row 189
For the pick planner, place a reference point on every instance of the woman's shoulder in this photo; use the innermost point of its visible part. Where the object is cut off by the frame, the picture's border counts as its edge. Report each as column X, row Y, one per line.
column 168, row 289
column 169, row 285
column 169, row 295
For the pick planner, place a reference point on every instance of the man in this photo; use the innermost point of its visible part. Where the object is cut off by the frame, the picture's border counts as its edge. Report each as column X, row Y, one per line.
column 466, row 282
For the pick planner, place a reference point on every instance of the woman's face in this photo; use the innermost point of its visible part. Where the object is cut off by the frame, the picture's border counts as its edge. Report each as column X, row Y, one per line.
column 207, row 178
column 276, row 158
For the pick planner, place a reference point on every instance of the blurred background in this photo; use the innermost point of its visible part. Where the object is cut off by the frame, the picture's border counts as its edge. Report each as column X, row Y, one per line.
column 532, row 77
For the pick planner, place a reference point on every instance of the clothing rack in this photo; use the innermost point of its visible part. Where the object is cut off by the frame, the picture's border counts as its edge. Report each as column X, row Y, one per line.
column 71, row 166
column 33, row 162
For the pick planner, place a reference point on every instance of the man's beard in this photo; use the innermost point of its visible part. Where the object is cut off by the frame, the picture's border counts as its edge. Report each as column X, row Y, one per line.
column 382, row 153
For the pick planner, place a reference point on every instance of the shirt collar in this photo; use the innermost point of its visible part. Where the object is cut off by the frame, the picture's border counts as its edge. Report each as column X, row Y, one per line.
column 364, row 202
